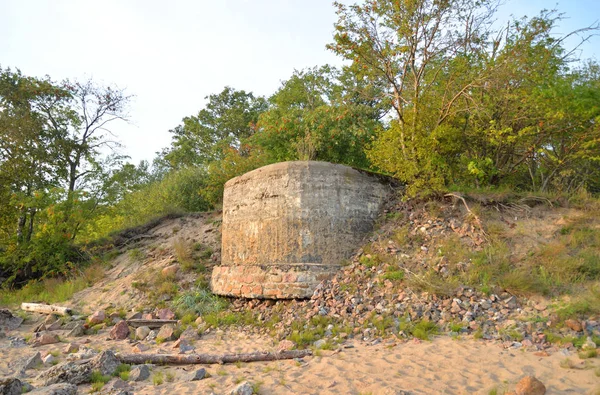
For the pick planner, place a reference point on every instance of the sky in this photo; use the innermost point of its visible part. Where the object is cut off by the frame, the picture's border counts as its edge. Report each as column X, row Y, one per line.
column 171, row 55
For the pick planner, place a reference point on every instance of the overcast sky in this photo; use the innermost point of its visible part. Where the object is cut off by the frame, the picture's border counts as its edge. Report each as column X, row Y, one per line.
column 171, row 54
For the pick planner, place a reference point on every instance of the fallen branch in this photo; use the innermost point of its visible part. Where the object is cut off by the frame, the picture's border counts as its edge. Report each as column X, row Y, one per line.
column 149, row 323
column 46, row 308
column 187, row 359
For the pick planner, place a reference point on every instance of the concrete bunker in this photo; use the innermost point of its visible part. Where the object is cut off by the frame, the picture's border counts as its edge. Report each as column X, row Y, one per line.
column 289, row 226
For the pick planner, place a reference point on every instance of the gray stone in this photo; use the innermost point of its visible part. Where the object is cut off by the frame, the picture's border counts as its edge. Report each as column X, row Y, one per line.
column 197, row 375
column 165, row 333
column 244, row 388
column 76, row 331
column 8, row 320
column 31, row 362
column 80, row 372
column 11, row 386
column 142, row 332
column 152, row 334
column 56, row 389
column 139, row 373
column 320, row 343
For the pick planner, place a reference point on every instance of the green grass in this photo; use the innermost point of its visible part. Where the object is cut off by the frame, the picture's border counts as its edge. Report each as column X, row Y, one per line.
column 52, row 290
column 393, row 275
column 157, row 378
column 98, row 380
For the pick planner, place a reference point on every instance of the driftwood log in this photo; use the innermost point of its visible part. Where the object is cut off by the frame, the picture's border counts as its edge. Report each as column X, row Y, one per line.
column 188, row 359
column 46, row 308
column 149, row 323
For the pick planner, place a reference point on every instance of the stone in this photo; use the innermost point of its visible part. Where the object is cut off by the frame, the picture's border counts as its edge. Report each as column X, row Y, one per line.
column 115, row 386
column 198, row 374
column 97, row 318
column 71, row 348
column 11, row 386
column 134, row 316
column 56, row 389
column 72, row 324
column 139, row 373
column 165, row 333
column 511, row 302
column 56, row 325
column 183, row 345
column 142, row 332
column 320, row 343
column 45, row 338
column 244, row 388
column 315, row 212
column 165, row 314
column 77, row 331
column 574, row 325
column 49, row 359
column 120, row 331
column 589, row 344
column 152, row 335
column 80, row 372
column 286, row 345
column 31, row 362
column 8, row 321
column 189, row 334
column 148, row 316
column 140, row 347
column 529, row 385
column 170, row 271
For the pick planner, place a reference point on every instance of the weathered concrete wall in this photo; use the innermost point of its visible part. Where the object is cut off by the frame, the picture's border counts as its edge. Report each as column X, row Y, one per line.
column 288, row 226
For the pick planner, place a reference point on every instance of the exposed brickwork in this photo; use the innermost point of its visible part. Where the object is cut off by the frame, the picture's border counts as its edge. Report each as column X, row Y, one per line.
column 288, row 226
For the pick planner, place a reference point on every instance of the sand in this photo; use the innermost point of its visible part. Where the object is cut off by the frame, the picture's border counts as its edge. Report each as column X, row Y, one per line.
column 441, row 366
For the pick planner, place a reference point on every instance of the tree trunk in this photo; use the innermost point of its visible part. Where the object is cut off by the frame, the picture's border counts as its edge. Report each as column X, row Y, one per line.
column 46, row 308
column 187, row 359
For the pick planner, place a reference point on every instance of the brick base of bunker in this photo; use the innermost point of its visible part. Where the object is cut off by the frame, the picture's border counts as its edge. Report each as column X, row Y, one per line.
column 289, row 226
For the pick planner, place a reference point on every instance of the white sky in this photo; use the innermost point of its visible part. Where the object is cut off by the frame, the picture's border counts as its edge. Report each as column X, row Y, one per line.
column 170, row 55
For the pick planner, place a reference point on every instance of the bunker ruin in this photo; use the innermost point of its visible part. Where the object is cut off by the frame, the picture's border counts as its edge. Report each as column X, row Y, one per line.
column 288, row 226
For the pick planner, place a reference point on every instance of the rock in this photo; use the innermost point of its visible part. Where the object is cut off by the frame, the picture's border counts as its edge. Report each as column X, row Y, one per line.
column 56, row 325
column 72, row 324
column 511, row 302
column 152, row 335
column 140, row 347
column 8, row 320
column 574, row 325
column 170, row 271
column 120, row 331
column 320, row 343
column 56, row 389
column 115, row 386
column 199, row 321
column 189, row 334
column 589, row 344
column 76, row 331
column 11, row 386
column 71, row 348
column 97, row 318
column 134, row 316
column 45, row 338
column 142, row 332
column 286, row 345
column 165, row 333
column 197, row 375
column 529, row 385
column 31, row 362
column 139, row 373
column 49, row 359
column 165, row 314
column 184, row 346
column 244, row 388
column 148, row 316
column 80, row 372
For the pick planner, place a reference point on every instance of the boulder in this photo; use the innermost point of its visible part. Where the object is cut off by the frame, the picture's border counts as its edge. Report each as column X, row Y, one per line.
column 11, row 386
column 170, row 271
column 30, row 362
column 244, row 388
column 165, row 314
column 8, row 320
column 139, row 373
column 45, row 338
column 120, row 331
column 142, row 332
column 197, row 375
column 165, row 333
column 97, row 318
column 56, row 389
column 529, row 385
column 80, row 372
